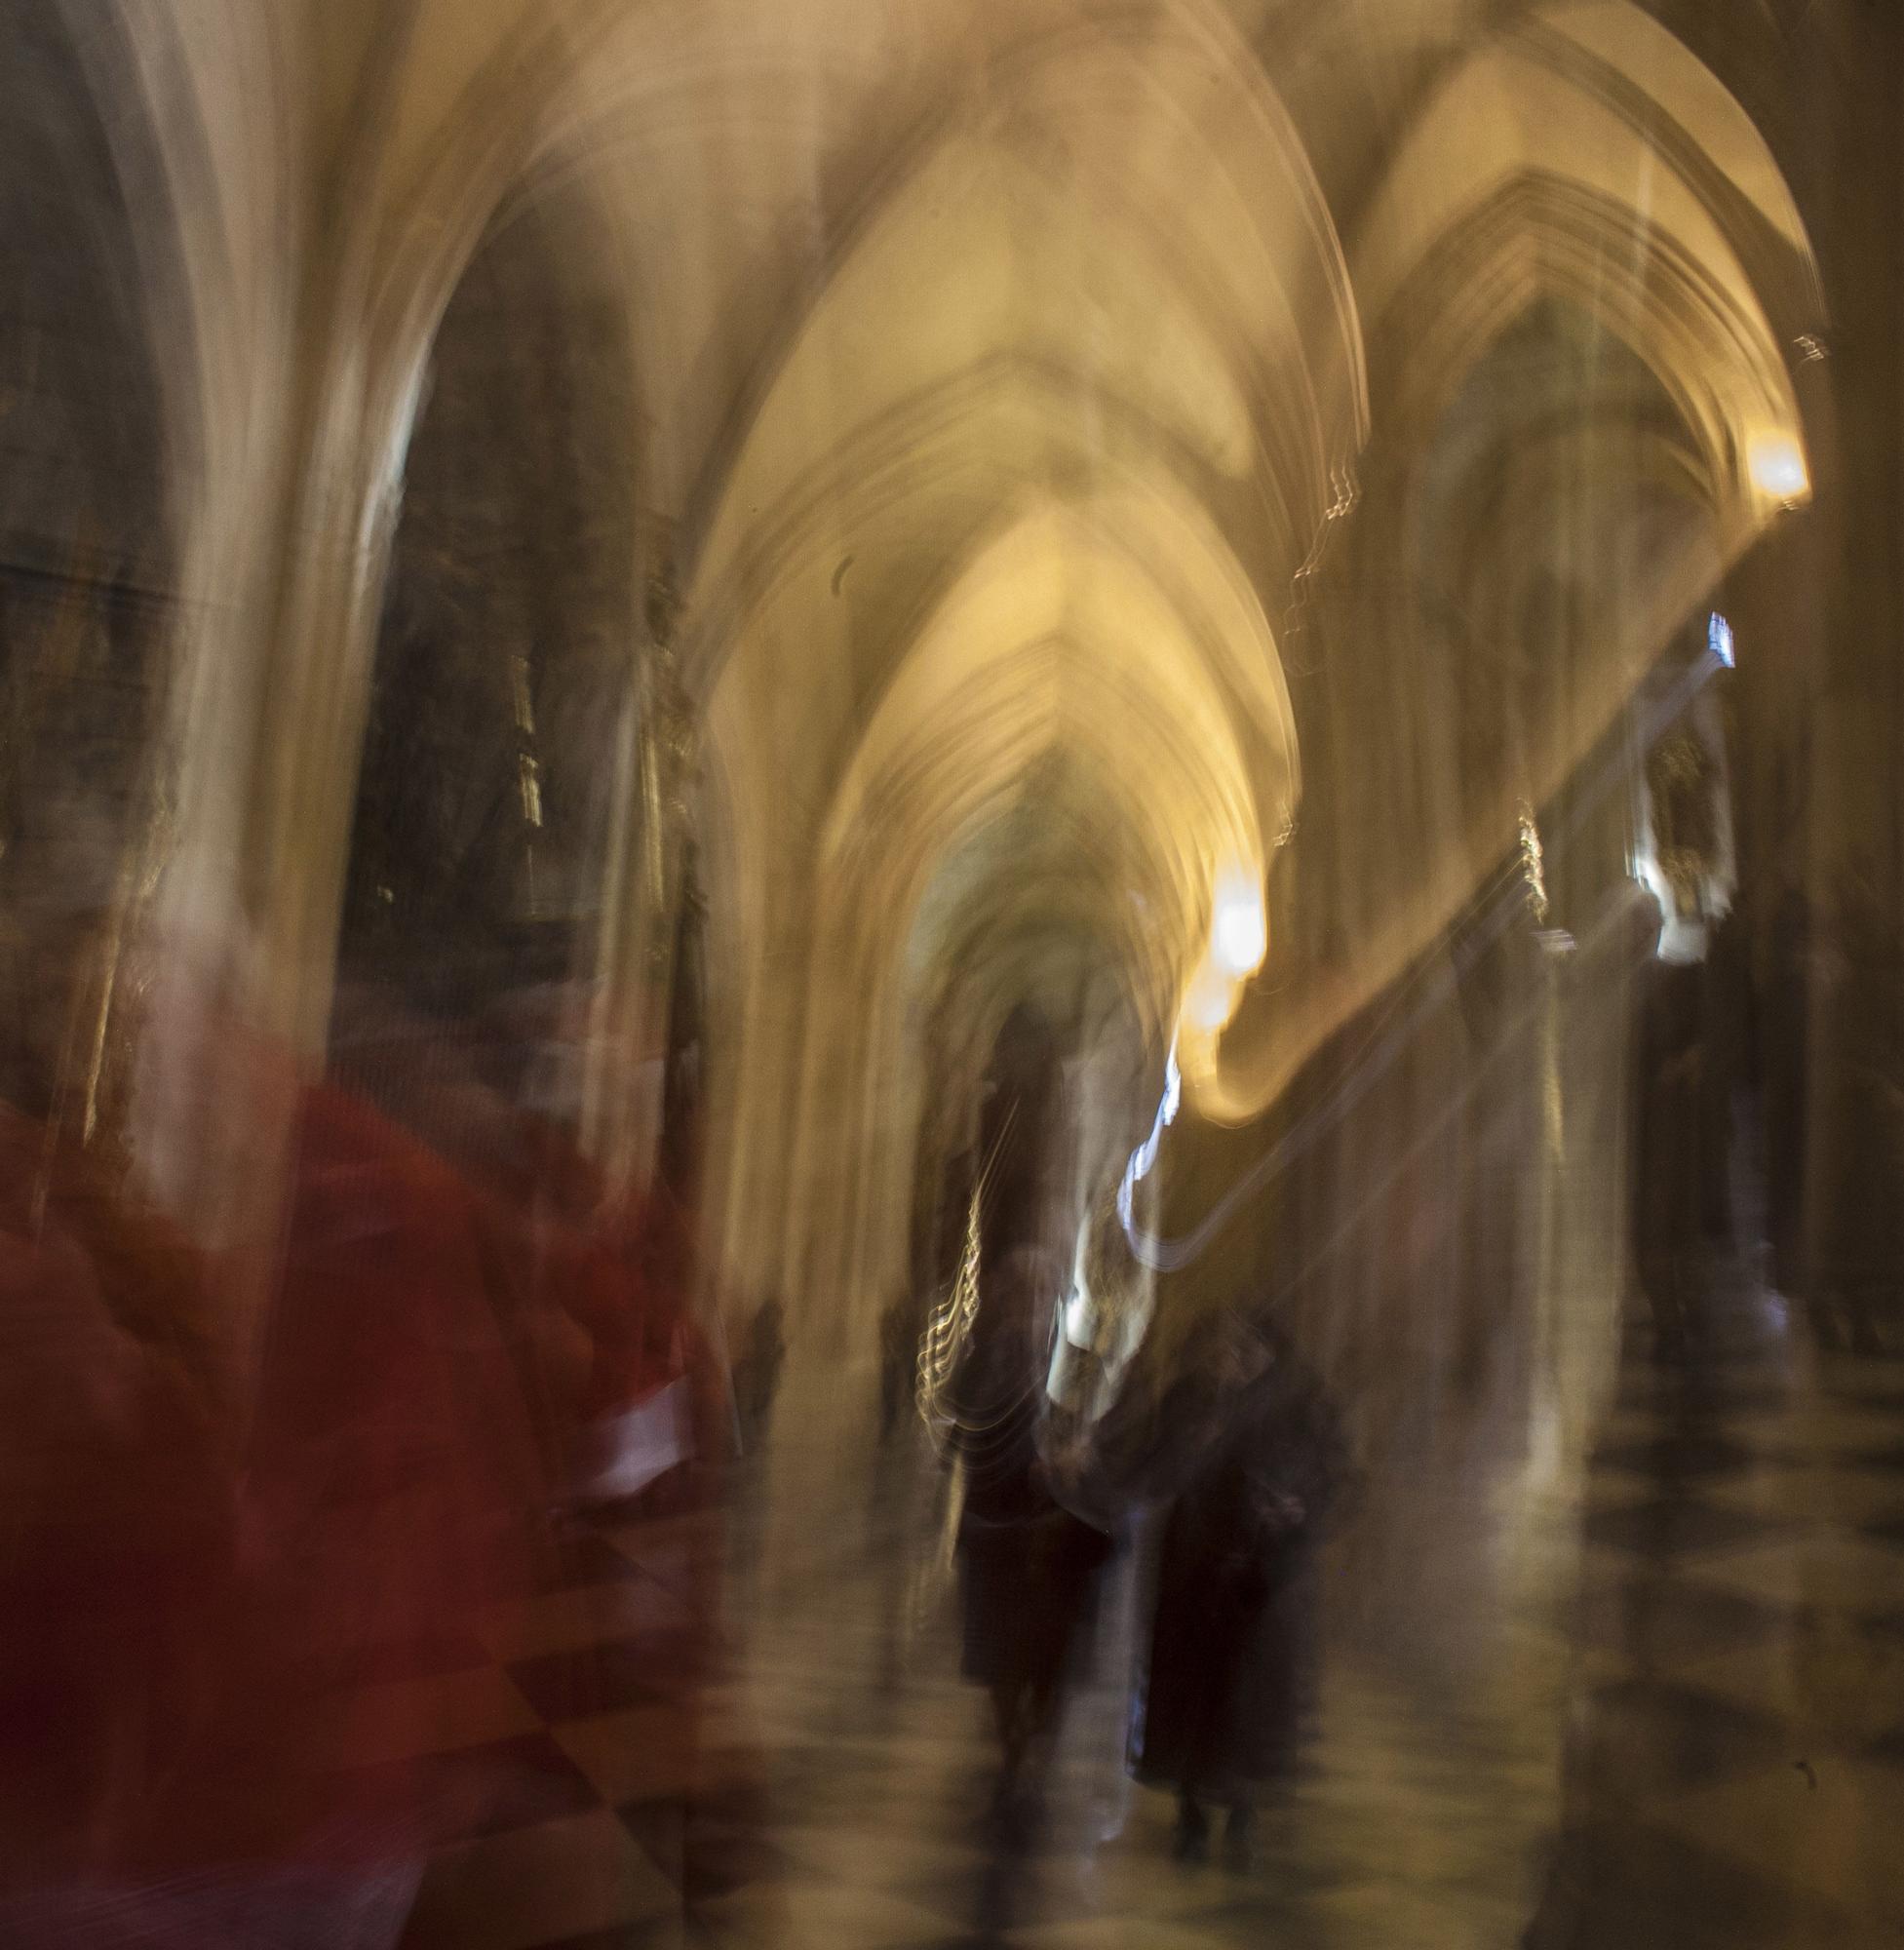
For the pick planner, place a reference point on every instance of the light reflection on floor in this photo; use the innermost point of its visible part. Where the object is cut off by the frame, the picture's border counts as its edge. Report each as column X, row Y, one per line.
column 1615, row 1658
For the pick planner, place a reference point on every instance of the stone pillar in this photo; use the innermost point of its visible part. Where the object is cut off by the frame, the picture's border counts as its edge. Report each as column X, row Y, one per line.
column 645, row 869
column 1856, row 1112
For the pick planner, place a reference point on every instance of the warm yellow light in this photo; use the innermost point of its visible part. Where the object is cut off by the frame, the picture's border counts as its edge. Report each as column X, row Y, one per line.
column 1211, row 999
column 1777, row 464
column 1239, row 934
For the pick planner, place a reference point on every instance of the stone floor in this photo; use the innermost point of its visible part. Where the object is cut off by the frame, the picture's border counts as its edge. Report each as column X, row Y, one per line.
column 1683, row 1727
column 1613, row 1647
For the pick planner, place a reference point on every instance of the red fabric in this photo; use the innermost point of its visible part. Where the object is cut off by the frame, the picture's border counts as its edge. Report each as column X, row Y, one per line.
column 115, row 1513
column 566, row 1264
column 392, row 1476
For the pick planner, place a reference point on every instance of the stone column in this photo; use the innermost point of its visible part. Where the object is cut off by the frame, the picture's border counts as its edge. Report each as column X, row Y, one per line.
column 657, row 756
column 1855, row 1114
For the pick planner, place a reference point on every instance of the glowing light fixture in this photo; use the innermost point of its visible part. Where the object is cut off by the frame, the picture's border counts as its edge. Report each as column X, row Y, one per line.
column 1212, row 999
column 1777, row 466
column 1239, row 934
column 1719, row 641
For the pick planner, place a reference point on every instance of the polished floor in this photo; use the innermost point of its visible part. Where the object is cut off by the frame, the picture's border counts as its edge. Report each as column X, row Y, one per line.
column 1687, row 1732
column 1613, row 1648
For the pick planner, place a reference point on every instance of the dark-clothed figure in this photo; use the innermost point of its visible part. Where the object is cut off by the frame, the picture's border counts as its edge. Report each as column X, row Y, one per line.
column 1247, row 1451
column 757, row 1374
column 1783, row 1067
column 1726, row 1012
column 1028, row 1568
column 1670, row 1128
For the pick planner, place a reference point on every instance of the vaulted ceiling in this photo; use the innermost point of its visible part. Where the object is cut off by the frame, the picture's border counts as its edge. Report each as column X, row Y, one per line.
column 1069, row 428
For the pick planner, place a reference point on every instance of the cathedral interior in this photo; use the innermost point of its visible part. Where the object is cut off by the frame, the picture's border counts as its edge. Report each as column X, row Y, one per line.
column 952, row 974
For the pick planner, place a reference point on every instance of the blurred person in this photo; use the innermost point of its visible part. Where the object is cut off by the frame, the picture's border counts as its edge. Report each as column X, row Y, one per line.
column 594, row 1294
column 756, row 1371
column 1784, row 1068
column 1727, row 1009
column 117, row 1437
column 115, row 1486
column 1028, row 1567
column 593, row 1291
column 1670, row 1132
column 550, row 1276
column 389, row 1493
column 118, row 1409
column 1240, row 1443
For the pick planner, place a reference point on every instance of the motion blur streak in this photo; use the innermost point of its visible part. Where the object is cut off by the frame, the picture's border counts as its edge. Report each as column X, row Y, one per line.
column 952, row 974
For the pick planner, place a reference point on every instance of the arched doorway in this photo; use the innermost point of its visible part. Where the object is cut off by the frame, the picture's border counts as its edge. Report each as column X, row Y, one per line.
column 476, row 881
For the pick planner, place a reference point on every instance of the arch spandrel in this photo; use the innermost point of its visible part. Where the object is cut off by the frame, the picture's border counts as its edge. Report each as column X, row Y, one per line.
column 1540, row 167
column 1668, row 74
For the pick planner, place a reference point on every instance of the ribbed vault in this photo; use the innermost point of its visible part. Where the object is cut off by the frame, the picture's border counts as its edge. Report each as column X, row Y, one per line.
column 1001, row 375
